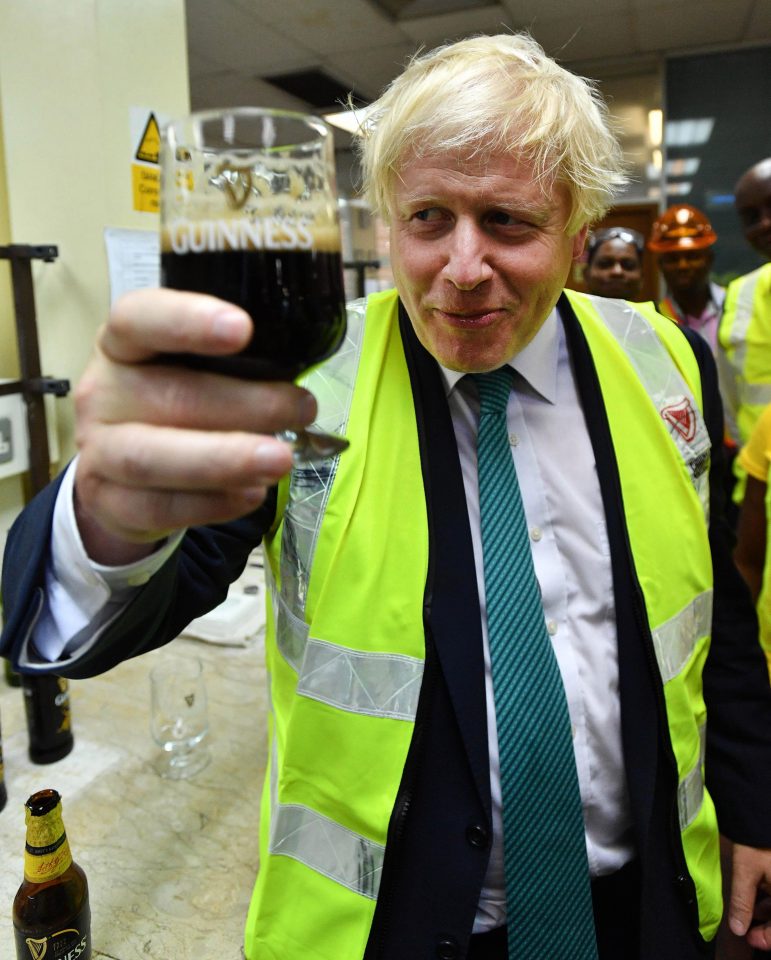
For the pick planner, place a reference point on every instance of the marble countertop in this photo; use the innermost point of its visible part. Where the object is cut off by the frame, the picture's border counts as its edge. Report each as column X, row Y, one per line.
column 170, row 864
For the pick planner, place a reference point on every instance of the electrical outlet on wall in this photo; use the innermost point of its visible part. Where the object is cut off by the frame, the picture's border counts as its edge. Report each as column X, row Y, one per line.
column 6, row 440
column 14, row 452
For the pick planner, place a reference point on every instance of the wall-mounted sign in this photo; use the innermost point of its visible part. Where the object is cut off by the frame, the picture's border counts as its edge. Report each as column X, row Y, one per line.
column 145, row 169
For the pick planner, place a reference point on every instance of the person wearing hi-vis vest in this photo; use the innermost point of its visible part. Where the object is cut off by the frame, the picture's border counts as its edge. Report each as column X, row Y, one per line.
column 514, row 675
column 744, row 351
column 744, row 334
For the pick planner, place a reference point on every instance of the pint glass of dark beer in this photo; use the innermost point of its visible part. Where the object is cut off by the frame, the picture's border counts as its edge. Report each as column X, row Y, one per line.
column 249, row 214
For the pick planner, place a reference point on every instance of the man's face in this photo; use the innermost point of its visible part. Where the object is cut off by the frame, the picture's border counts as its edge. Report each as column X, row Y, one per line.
column 479, row 254
column 753, row 204
column 686, row 270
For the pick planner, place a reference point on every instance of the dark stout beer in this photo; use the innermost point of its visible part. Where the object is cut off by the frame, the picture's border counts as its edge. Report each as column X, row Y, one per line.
column 294, row 297
column 51, row 913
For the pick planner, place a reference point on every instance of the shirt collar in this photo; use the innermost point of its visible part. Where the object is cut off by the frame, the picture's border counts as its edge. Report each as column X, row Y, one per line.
column 536, row 364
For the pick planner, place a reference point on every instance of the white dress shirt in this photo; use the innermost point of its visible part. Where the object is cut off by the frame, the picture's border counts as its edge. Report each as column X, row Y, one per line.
column 563, row 508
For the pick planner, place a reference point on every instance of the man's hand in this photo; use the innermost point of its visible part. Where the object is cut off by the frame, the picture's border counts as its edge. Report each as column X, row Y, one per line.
column 163, row 447
column 751, row 881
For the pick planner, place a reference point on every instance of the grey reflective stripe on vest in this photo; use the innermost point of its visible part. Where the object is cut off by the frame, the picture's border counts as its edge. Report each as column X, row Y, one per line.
column 327, row 847
column 376, row 684
column 322, row 845
column 690, row 790
column 675, row 640
column 737, row 335
column 291, row 632
column 665, row 385
column 332, row 384
column 755, row 394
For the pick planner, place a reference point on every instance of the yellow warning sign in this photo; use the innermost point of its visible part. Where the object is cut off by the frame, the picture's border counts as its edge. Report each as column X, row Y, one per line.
column 150, row 143
column 146, row 187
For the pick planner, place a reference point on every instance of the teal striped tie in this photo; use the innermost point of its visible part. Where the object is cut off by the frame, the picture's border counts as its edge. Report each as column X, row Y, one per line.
column 548, row 893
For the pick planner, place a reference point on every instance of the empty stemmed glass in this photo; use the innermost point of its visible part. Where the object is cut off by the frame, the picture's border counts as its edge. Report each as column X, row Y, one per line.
column 179, row 718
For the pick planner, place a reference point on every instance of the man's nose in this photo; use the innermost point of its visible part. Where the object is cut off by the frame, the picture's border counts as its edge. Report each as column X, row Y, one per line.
column 617, row 268
column 467, row 257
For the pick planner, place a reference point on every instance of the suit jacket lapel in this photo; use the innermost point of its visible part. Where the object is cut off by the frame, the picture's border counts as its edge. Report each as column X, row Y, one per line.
column 451, row 606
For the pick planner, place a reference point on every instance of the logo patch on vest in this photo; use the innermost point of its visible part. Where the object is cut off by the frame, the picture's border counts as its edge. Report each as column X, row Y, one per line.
column 681, row 417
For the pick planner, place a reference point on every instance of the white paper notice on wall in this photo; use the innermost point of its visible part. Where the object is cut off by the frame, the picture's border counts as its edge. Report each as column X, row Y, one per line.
column 133, row 257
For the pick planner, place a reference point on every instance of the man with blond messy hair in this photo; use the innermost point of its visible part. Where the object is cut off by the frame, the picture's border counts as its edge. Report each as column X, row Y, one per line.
column 498, row 728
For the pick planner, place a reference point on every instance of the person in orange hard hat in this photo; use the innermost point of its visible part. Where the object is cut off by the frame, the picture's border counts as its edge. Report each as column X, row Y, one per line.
column 683, row 239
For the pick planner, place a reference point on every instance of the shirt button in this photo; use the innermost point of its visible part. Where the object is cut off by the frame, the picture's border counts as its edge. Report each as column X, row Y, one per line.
column 513, row 440
column 551, row 627
column 536, row 533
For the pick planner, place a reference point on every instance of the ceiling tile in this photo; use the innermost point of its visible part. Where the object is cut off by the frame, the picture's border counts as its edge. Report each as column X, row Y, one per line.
column 759, row 22
column 525, row 12
column 588, row 38
column 227, row 34
column 235, row 90
column 327, row 26
column 452, row 26
column 685, row 23
column 370, row 70
column 233, row 41
column 201, row 65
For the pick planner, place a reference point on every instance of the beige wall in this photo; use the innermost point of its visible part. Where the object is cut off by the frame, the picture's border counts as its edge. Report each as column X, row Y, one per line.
column 69, row 74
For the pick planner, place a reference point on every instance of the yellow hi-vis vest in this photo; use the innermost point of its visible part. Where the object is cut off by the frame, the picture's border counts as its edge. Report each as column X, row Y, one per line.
column 764, row 597
column 347, row 567
column 744, row 355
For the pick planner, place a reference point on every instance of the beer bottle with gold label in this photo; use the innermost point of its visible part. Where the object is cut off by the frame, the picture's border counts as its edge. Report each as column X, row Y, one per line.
column 51, row 914
column 49, row 722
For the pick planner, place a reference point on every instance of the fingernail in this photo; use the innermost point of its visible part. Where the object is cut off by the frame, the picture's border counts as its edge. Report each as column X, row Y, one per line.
column 737, row 927
column 228, row 325
column 272, row 455
column 308, row 408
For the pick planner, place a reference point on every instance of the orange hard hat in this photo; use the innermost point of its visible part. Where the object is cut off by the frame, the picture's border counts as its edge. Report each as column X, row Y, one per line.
column 681, row 228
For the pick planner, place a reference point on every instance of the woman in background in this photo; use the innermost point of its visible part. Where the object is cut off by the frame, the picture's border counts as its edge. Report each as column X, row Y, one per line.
column 614, row 265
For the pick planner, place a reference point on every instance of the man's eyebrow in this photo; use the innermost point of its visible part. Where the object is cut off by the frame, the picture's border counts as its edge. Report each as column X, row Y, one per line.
column 539, row 213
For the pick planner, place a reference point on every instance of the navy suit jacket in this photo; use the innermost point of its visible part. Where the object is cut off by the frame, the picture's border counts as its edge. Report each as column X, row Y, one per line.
column 440, row 830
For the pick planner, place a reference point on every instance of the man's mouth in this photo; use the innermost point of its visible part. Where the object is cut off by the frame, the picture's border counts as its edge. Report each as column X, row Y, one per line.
column 468, row 319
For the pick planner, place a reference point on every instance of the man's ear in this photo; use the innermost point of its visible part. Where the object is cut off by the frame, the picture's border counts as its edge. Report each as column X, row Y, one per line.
column 579, row 241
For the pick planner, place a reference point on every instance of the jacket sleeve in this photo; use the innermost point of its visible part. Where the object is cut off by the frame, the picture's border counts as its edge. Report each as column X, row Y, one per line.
column 193, row 581
column 736, row 683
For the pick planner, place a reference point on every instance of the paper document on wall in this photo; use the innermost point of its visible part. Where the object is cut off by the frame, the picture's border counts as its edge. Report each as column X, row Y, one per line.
column 133, row 257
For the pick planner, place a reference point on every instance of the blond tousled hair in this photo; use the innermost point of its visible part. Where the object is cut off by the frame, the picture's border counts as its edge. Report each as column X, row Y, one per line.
column 491, row 94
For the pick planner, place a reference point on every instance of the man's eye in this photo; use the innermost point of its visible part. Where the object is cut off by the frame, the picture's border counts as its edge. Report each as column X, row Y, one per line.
column 503, row 219
column 429, row 214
